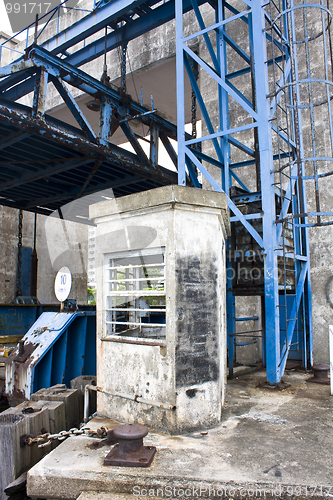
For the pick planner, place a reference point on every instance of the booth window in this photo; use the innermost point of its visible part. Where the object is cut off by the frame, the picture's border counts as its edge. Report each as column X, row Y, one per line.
column 134, row 284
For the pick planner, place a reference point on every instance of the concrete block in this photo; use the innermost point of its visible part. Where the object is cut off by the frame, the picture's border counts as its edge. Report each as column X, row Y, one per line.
column 27, row 418
column 70, row 398
column 79, row 383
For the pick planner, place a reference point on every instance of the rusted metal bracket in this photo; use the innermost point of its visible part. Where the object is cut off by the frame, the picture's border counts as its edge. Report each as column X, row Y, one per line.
column 25, row 439
column 130, row 452
column 22, row 354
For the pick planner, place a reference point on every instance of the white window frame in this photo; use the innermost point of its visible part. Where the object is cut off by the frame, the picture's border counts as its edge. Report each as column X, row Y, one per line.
column 127, row 288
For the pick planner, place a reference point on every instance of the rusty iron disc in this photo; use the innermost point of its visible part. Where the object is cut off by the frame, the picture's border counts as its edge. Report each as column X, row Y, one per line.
column 130, row 432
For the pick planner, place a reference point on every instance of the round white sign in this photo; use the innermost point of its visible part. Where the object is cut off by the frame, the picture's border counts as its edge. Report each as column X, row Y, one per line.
column 63, row 284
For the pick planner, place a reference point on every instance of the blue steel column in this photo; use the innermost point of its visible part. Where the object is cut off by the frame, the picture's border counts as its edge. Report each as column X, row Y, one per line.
column 303, row 231
column 260, row 79
column 105, row 120
column 223, row 97
column 180, row 93
column 226, row 182
column 231, row 310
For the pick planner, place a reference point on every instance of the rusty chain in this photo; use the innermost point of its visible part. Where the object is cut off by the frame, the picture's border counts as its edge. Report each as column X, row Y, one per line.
column 43, row 440
column 123, row 67
column 194, row 114
column 18, row 291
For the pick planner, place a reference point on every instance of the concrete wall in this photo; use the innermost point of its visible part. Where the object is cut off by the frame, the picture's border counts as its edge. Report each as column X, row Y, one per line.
column 59, row 243
column 189, row 370
column 62, row 243
column 8, row 51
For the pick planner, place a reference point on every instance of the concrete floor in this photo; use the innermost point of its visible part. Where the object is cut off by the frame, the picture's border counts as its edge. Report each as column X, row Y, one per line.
column 270, row 444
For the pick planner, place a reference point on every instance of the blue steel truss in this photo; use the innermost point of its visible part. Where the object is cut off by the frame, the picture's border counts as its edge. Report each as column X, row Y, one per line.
column 252, row 144
column 246, row 138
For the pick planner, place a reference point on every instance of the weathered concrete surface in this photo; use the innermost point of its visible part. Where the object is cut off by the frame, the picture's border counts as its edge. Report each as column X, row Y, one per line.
column 188, row 371
column 322, row 290
column 92, row 495
column 267, row 440
column 59, row 243
column 7, row 52
column 79, row 384
column 63, row 243
column 8, row 257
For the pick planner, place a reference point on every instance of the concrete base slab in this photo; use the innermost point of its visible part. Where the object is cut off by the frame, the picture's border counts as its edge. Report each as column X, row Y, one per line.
column 270, row 444
column 93, row 495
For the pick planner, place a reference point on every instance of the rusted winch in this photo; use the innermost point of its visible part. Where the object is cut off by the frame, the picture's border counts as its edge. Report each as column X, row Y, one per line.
column 130, row 452
column 320, row 375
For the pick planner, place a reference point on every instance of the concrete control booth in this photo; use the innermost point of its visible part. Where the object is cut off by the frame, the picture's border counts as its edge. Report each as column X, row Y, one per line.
column 161, row 309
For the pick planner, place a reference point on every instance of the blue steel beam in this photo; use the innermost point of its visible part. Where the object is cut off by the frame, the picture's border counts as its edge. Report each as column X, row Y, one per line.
column 272, row 323
column 154, row 136
column 105, row 120
column 241, row 146
column 231, row 204
column 294, row 313
column 211, row 160
column 13, row 139
column 17, row 67
column 183, row 150
column 203, row 108
column 91, row 24
column 40, row 92
column 222, row 133
column 115, row 155
column 224, row 118
column 205, row 35
column 59, row 69
column 169, row 148
column 134, row 143
column 239, row 99
column 90, row 85
column 74, row 108
column 130, row 31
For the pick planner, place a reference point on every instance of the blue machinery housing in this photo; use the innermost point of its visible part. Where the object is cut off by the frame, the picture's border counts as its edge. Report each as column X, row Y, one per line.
column 58, row 347
column 253, row 147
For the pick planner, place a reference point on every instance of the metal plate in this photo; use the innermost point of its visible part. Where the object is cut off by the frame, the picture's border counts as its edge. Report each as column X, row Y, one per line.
column 143, row 458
